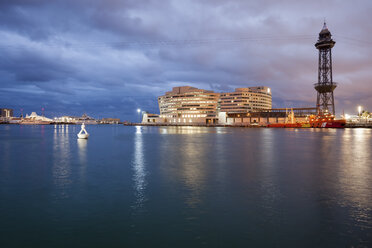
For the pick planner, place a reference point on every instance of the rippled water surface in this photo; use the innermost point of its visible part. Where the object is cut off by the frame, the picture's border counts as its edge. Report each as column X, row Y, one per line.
column 185, row 187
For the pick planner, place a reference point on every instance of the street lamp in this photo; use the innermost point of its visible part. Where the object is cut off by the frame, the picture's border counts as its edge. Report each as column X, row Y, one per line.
column 139, row 115
column 359, row 111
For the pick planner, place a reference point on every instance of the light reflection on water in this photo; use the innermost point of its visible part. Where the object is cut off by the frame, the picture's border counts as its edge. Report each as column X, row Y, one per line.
column 61, row 168
column 193, row 160
column 269, row 183
column 222, row 159
column 82, row 147
column 188, row 130
column 140, row 173
column 355, row 174
column 186, row 161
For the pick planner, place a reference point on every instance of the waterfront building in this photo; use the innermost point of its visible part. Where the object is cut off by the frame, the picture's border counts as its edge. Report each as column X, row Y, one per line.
column 152, row 118
column 76, row 119
column 245, row 100
column 6, row 113
column 15, row 120
column 109, row 121
column 188, row 105
column 266, row 116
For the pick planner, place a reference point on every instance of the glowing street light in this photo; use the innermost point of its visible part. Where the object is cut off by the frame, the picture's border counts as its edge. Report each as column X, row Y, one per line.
column 359, row 111
column 139, row 114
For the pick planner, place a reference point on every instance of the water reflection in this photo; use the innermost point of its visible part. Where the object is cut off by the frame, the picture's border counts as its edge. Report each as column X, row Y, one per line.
column 139, row 169
column 244, row 185
column 61, row 169
column 82, row 147
column 184, row 130
column 192, row 167
column 269, row 184
column 189, row 156
column 42, row 130
column 5, row 157
column 355, row 174
column 222, row 157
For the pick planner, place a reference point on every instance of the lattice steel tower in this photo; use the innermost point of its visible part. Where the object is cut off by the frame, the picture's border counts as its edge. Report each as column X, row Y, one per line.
column 325, row 86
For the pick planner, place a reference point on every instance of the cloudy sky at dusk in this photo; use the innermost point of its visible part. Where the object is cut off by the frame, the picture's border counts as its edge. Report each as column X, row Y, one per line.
column 109, row 57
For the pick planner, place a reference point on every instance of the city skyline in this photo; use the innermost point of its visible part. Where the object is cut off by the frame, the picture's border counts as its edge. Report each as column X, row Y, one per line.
column 109, row 58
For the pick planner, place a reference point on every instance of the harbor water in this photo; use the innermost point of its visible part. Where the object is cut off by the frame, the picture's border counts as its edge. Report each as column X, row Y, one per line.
column 184, row 187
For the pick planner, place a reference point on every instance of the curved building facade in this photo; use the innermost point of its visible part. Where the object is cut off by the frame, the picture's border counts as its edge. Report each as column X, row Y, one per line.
column 245, row 100
column 187, row 104
column 190, row 105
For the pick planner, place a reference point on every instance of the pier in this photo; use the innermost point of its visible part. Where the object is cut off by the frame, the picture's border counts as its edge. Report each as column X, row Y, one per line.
column 247, row 125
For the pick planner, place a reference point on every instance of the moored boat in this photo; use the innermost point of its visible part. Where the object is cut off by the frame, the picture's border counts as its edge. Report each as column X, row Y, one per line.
column 34, row 122
column 326, row 121
column 35, row 119
column 314, row 121
column 285, row 125
column 290, row 122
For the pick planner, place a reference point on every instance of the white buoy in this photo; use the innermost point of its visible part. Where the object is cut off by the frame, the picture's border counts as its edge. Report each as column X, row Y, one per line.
column 83, row 134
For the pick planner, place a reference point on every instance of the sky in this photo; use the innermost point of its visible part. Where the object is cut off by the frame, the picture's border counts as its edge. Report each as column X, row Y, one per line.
column 107, row 58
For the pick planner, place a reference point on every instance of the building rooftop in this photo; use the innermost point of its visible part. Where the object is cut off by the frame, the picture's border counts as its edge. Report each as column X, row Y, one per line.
column 186, row 89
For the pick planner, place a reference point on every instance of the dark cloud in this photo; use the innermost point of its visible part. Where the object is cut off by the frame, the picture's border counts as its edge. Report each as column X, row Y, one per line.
column 29, row 66
column 110, row 57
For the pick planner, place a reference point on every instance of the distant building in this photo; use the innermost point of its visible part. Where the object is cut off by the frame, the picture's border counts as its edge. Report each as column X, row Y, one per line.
column 6, row 113
column 266, row 116
column 15, row 120
column 65, row 119
column 76, row 119
column 245, row 100
column 153, row 118
column 35, row 117
column 110, row 121
column 86, row 119
column 188, row 105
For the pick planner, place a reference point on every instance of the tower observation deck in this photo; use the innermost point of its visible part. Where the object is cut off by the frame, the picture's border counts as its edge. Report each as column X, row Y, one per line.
column 325, row 86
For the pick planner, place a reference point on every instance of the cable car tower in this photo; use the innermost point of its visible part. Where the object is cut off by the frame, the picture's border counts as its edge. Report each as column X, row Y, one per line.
column 325, row 101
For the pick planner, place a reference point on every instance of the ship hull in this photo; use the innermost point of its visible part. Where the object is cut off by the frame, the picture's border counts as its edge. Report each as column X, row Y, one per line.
column 35, row 122
column 329, row 124
column 285, row 125
column 314, row 124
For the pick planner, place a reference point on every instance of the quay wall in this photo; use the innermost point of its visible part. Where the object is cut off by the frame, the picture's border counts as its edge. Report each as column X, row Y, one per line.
column 236, row 124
